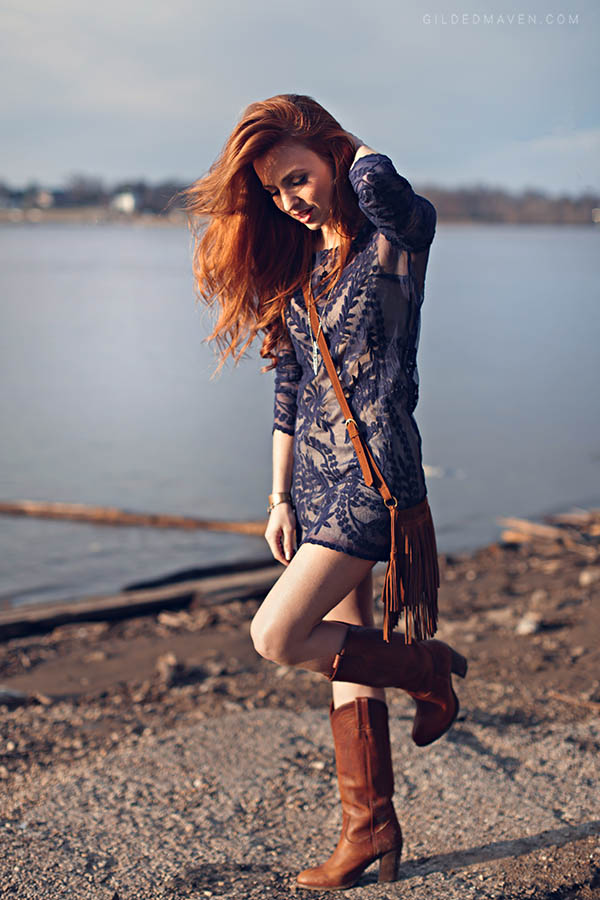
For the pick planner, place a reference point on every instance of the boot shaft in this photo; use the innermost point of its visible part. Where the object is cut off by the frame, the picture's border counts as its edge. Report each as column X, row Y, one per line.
column 370, row 829
column 367, row 659
column 364, row 765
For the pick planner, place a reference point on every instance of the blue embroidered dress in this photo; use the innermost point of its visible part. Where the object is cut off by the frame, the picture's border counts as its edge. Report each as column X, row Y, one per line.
column 371, row 321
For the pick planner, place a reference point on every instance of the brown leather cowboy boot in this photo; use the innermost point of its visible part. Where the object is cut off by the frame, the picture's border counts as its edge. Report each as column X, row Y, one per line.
column 370, row 829
column 422, row 669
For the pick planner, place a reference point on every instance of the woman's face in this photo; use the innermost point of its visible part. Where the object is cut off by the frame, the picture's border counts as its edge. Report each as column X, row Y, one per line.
column 299, row 181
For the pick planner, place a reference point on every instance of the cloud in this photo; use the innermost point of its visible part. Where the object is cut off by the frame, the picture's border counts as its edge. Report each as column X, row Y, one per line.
column 127, row 88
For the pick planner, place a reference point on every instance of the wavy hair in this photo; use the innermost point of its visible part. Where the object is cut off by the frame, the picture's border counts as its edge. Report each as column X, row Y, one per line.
column 248, row 256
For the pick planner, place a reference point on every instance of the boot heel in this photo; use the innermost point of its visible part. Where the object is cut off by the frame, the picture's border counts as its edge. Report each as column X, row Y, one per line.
column 459, row 664
column 389, row 864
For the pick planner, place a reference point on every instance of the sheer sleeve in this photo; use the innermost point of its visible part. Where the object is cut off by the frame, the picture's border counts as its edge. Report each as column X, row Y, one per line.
column 288, row 372
column 405, row 219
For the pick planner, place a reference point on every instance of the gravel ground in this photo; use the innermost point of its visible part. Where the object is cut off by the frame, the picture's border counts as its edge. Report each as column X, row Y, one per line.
column 159, row 757
column 233, row 807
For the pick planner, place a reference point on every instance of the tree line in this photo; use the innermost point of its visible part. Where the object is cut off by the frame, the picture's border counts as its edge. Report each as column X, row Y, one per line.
column 465, row 204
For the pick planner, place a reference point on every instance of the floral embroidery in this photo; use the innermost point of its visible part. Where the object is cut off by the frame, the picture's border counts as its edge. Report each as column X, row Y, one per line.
column 371, row 321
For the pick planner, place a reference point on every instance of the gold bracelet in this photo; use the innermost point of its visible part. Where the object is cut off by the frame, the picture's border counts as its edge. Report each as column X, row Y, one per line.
column 279, row 497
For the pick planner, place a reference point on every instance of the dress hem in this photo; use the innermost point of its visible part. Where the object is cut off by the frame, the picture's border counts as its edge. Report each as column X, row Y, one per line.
column 332, row 546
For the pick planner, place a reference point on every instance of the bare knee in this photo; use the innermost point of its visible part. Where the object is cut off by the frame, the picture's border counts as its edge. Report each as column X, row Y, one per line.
column 271, row 641
column 259, row 638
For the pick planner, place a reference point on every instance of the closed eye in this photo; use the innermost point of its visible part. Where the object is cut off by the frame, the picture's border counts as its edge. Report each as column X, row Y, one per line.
column 296, row 182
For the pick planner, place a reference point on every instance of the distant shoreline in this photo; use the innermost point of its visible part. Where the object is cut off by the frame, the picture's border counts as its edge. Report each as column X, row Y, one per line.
column 100, row 215
column 89, row 215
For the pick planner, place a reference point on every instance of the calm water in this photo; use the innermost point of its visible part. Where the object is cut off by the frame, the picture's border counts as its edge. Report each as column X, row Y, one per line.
column 106, row 397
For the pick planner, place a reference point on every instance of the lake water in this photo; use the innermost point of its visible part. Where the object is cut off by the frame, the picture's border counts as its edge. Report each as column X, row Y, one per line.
column 107, row 399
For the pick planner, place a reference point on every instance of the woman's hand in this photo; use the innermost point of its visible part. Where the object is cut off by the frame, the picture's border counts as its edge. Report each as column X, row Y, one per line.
column 280, row 534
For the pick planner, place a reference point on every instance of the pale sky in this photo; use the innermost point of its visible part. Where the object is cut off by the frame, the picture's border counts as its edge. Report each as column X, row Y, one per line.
column 139, row 88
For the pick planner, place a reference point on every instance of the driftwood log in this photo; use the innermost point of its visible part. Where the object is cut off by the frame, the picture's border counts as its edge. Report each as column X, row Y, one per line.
column 235, row 584
column 109, row 515
column 533, row 529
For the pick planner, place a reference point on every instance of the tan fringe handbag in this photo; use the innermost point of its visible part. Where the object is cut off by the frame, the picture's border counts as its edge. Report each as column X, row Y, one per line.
column 412, row 576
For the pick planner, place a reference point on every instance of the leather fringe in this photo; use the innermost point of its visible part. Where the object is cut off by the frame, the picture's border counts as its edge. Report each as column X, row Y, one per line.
column 412, row 576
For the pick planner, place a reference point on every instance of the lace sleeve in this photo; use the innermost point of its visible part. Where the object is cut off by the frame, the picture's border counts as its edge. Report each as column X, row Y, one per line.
column 405, row 219
column 287, row 375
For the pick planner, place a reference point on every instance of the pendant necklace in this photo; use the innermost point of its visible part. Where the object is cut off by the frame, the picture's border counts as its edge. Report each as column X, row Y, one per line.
column 315, row 347
column 315, row 338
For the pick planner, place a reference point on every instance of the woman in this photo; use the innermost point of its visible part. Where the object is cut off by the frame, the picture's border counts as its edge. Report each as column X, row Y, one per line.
column 301, row 212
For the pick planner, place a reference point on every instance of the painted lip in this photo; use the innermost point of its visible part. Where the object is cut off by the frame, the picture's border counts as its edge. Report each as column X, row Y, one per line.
column 305, row 216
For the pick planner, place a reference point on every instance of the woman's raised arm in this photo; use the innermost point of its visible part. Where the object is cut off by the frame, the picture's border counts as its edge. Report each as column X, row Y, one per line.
column 406, row 219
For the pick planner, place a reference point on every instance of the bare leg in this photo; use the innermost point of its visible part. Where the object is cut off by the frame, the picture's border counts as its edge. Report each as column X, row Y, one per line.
column 357, row 609
column 289, row 626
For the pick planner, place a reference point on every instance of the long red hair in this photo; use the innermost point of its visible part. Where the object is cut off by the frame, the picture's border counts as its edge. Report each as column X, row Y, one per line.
column 248, row 256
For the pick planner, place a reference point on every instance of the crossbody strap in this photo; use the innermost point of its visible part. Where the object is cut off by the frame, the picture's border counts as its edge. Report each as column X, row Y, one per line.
column 412, row 575
column 369, row 468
